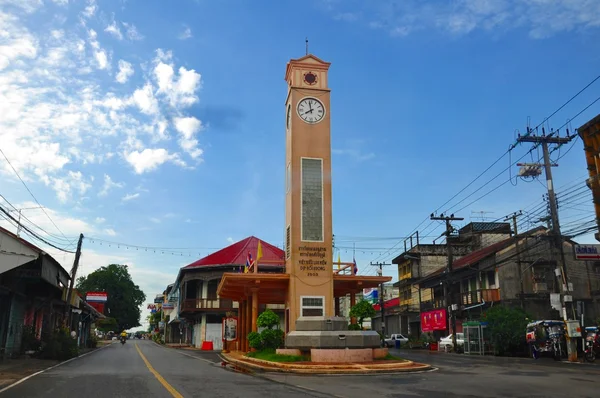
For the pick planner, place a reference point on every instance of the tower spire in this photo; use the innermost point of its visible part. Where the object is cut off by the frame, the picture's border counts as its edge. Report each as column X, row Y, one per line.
column 306, row 41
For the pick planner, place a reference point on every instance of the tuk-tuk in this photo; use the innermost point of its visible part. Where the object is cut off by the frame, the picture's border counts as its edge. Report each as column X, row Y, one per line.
column 546, row 337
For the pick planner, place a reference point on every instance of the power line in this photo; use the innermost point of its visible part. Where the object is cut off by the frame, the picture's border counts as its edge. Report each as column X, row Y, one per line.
column 31, row 193
column 7, row 214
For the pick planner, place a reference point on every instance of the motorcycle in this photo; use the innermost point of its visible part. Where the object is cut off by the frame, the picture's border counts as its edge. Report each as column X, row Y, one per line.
column 592, row 343
column 123, row 339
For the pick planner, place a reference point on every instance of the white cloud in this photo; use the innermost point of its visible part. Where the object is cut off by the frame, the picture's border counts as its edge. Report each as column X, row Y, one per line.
column 100, row 220
column 15, row 42
column 73, row 182
column 129, row 197
column 354, row 153
column 540, row 18
column 132, row 32
column 69, row 226
column 125, row 71
column 57, row 113
column 188, row 127
column 90, row 9
column 145, row 100
column 26, row 5
column 101, row 59
column 114, row 30
column 230, row 239
column 149, row 159
column 108, row 185
column 155, row 220
column 179, row 90
column 186, row 34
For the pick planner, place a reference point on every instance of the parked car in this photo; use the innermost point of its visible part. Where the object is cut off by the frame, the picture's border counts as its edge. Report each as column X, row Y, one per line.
column 391, row 341
column 446, row 342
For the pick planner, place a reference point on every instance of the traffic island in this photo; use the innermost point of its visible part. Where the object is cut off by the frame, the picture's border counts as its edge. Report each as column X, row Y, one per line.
column 272, row 362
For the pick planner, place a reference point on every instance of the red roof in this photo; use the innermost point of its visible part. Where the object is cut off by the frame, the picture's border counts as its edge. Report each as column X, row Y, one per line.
column 237, row 253
column 480, row 254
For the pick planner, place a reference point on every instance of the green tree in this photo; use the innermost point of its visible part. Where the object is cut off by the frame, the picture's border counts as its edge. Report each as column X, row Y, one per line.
column 124, row 297
column 507, row 327
column 361, row 311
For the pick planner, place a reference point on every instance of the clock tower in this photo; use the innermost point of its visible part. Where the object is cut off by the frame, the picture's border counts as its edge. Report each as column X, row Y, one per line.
column 308, row 228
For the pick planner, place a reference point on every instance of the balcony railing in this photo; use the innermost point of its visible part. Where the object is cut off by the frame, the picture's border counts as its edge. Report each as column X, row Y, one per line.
column 479, row 296
column 208, row 304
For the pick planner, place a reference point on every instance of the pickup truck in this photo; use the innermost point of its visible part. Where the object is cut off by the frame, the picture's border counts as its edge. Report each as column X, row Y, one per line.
column 391, row 341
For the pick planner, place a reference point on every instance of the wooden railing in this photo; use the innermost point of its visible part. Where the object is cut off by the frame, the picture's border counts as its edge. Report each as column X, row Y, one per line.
column 207, row 304
column 479, row 296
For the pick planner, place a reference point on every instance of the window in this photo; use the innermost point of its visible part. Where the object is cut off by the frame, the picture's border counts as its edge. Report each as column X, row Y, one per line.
column 288, row 178
column 288, row 242
column 491, row 279
column 312, row 305
column 312, row 200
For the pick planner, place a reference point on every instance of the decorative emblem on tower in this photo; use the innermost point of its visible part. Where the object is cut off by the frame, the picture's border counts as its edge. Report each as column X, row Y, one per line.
column 310, row 78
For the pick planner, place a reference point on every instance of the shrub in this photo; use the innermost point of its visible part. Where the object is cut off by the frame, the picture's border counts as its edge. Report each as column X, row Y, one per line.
column 507, row 327
column 267, row 319
column 92, row 341
column 354, row 326
column 29, row 340
column 59, row 346
column 272, row 338
column 255, row 340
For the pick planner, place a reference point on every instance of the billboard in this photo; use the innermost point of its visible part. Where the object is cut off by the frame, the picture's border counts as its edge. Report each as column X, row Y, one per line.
column 433, row 320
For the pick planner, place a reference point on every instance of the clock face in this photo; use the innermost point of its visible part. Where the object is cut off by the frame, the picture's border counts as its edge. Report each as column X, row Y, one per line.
column 289, row 117
column 311, row 110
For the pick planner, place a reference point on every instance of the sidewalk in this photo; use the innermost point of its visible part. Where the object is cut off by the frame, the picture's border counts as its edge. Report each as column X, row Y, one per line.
column 453, row 358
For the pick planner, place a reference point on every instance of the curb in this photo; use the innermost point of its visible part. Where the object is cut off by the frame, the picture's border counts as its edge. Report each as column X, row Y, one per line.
column 16, row 383
column 249, row 367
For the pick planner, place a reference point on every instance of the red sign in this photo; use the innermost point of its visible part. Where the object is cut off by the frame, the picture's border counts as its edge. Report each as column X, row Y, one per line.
column 96, row 296
column 98, row 306
column 433, row 320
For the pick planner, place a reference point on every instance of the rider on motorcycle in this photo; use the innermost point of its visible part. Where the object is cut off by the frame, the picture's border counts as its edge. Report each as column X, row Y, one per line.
column 123, row 335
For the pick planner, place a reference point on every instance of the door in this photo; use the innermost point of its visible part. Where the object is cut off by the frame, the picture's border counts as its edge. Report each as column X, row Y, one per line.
column 213, row 333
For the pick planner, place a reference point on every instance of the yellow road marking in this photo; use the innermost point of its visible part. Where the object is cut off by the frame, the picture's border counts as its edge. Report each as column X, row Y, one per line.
column 158, row 376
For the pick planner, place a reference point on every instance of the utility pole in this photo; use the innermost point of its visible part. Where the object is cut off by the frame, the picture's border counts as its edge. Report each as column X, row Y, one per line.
column 72, row 282
column 381, row 300
column 447, row 300
column 567, row 299
column 20, row 214
column 519, row 267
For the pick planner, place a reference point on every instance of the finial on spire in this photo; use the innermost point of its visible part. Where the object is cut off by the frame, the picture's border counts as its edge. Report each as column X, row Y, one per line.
column 306, row 45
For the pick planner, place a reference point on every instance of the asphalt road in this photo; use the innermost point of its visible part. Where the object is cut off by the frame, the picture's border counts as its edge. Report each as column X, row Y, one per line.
column 149, row 370
column 120, row 371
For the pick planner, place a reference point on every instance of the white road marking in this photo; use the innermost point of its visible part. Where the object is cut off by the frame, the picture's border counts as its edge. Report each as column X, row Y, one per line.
column 16, row 383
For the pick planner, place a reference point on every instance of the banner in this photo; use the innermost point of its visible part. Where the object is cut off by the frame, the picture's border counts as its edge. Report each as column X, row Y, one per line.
column 168, row 306
column 433, row 320
column 100, row 297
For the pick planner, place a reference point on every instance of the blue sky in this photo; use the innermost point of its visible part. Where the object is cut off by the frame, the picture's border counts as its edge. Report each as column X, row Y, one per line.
column 162, row 123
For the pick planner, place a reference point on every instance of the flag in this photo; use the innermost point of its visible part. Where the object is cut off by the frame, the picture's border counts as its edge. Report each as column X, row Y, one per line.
column 249, row 263
column 258, row 255
column 355, row 267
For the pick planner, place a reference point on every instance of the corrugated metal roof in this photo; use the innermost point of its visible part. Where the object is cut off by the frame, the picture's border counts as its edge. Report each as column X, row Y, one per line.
column 237, row 253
